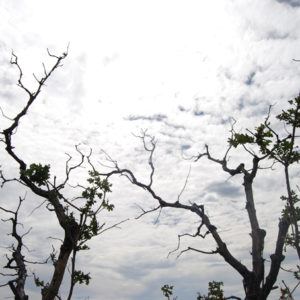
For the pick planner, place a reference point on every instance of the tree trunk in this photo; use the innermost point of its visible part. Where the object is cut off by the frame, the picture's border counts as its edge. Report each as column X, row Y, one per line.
column 253, row 282
column 70, row 241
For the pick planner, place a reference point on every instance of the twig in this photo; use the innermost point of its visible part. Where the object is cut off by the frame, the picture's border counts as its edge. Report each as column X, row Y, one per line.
column 185, row 183
column 197, row 250
column 113, row 226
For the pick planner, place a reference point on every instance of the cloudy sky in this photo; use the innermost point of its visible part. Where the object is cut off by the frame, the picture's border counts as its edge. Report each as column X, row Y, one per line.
column 182, row 70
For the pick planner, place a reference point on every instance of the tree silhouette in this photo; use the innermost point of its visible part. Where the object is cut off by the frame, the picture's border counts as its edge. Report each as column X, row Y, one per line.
column 77, row 217
column 257, row 281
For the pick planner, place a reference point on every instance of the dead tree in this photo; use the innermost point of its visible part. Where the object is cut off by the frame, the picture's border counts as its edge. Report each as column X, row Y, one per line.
column 257, row 282
column 16, row 261
column 77, row 217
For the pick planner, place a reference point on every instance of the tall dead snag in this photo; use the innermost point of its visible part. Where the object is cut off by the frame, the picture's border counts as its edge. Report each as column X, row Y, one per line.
column 77, row 217
column 257, row 282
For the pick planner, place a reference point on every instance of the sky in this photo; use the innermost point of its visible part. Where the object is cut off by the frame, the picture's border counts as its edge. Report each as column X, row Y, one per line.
column 180, row 69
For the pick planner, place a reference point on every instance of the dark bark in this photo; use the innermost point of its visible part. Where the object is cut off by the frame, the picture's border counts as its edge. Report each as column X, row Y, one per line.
column 70, row 226
column 71, row 237
column 255, row 285
column 252, row 284
column 79, row 223
column 277, row 257
column 17, row 262
column 197, row 209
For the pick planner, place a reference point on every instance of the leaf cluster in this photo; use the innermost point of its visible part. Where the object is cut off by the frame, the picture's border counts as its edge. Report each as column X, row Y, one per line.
column 268, row 141
column 89, row 230
column 96, row 191
column 81, row 278
column 261, row 137
column 215, row 291
column 291, row 116
column 286, row 212
column 167, row 290
column 37, row 173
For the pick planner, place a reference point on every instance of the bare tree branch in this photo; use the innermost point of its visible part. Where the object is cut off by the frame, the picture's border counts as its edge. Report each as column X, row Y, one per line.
column 197, row 250
column 190, row 235
column 113, row 226
column 184, row 186
column 17, row 261
column 144, row 212
column 194, row 208
column 79, row 223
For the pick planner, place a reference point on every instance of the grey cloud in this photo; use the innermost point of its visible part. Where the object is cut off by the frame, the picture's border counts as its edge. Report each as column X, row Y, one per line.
column 225, row 189
column 275, row 35
column 135, row 271
column 174, row 125
column 156, row 117
column 293, row 3
column 197, row 112
column 226, row 121
column 211, row 199
column 181, row 108
column 250, row 79
column 244, row 101
column 252, row 107
column 227, row 74
column 241, row 103
column 142, row 269
column 184, row 137
column 185, row 147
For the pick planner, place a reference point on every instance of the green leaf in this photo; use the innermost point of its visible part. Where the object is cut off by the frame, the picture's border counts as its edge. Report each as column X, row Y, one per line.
column 81, row 277
column 167, row 290
column 241, row 139
column 37, row 173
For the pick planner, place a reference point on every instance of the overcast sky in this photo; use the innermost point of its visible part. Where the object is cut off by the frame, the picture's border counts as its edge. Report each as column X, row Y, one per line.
column 182, row 70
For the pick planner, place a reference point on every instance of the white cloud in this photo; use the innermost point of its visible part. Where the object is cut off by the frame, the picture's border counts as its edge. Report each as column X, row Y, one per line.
column 131, row 62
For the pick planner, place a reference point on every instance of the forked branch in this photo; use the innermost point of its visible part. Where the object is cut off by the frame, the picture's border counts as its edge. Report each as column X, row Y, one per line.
column 17, row 261
column 194, row 208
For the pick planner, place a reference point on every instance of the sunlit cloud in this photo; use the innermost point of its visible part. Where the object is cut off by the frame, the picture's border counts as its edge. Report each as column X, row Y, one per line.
column 183, row 71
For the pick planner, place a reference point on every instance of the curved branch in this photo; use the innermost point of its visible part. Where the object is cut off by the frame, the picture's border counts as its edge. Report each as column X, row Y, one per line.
column 194, row 208
column 238, row 170
column 197, row 250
